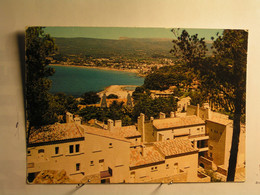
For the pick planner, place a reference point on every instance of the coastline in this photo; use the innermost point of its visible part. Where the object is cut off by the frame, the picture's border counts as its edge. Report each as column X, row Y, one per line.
column 119, row 90
column 98, row 67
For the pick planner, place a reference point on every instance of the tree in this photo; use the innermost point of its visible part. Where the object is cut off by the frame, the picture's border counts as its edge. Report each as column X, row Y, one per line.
column 222, row 75
column 112, row 96
column 38, row 47
column 90, row 97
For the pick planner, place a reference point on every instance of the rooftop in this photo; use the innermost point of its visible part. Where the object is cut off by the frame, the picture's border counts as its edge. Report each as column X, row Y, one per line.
column 128, row 131
column 176, row 122
column 102, row 132
column 55, row 132
column 175, row 147
column 152, row 155
column 221, row 121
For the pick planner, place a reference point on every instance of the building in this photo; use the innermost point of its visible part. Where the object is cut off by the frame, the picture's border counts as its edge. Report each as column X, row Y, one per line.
column 87, row 154
column 161, row 94
column 165, row 161
column 59, row 146
column 188, row 127
column 219, row 128
column 183, row 104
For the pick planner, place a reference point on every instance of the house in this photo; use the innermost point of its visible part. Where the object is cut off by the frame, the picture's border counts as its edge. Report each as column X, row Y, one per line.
column 164, row 161
column 161, row 94
column 219, row 128
column 87, row 154
column 182, row 104
column 188, row 127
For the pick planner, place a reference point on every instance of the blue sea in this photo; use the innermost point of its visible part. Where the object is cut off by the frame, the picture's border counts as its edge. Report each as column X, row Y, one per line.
column 78, row 80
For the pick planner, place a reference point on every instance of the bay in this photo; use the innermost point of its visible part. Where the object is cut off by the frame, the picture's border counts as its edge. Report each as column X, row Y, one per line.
column 78, row 80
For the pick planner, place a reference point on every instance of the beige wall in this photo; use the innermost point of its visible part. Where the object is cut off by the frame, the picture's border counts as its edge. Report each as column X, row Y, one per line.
column 152, row 135
column 114, row 154
column 135, row 140
column 170, row 168
column 217, row 142
column 173, row 133
column 95, row 148
column 48, row 160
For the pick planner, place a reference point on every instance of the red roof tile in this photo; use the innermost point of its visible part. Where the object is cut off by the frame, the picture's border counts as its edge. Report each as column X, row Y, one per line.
column 175, row 147
column 102, row 132
column 152, row 155
column 55, row 132
column 176, row 122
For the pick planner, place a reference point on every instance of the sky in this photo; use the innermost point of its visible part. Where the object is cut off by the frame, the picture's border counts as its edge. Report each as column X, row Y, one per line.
column 130, row 32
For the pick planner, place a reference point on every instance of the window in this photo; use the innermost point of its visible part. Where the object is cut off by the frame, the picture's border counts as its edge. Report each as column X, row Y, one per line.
column 167, row 166
column 210, row 154
column 151, row 168
column 77, row 147
column 136, row 139
column 110, row 145
column 155, row 168
column 41, row 151
column 92, row 163
column 71, row 148
column 56, row 150
column 77, row 166
column 28, row 151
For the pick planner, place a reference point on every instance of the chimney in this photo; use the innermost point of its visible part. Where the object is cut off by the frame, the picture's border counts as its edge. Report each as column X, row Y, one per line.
column 110, row 124
column 162, row 115
column 172, row 114
column 118, row 123
column 198, row 110
column 208, row 113
column 77, row 120
column 205, row 105
column 69, row 117
column 140, row 123
column 151, row 119
column 143, row 150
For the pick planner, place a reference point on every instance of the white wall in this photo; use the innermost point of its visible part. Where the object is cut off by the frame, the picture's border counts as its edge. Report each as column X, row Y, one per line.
column 15, row 15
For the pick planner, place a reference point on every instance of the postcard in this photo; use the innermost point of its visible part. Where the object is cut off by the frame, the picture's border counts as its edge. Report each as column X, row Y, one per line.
column 135, row 105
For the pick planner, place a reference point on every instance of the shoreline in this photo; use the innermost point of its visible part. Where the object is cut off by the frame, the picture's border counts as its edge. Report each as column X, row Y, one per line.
column 100, row 68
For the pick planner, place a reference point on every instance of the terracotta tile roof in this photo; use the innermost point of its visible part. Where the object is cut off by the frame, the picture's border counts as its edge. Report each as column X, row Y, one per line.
column 176, row 122
column 152, row 155
column 55, row 132
column 221, row 121
column 102, row 132
column 175, row 147
column 128, row 131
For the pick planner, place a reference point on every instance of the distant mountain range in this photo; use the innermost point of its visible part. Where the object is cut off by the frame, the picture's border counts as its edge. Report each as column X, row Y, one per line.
column 124, row 47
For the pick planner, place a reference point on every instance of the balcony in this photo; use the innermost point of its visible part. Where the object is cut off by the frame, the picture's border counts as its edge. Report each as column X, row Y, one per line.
column 107, row 173
column 199, row 137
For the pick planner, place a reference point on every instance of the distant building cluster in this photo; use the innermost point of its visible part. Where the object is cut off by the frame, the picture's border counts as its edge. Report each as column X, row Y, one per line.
column 174, row 149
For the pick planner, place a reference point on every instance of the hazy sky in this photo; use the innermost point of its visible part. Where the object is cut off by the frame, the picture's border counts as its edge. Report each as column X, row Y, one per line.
column 117, row 32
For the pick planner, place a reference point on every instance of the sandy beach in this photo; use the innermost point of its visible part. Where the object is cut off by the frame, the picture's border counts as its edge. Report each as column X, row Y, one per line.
column 118, row 90
column 100, row 68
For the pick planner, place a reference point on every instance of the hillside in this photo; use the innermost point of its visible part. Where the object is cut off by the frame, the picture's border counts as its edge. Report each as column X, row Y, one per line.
column 123, row 47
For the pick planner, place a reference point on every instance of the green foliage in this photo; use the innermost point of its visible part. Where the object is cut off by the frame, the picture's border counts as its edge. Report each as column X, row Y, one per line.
column 222, row 75
column 38, row 47
column 90, row 98
column 112, row 96
column 116, row 111
column 61, row 103
column 167, row 76
column 152, row 107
